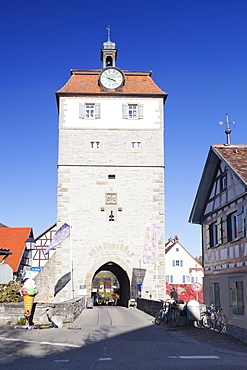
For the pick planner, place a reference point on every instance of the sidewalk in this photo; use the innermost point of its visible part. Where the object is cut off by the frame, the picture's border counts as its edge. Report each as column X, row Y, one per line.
column 223, row 341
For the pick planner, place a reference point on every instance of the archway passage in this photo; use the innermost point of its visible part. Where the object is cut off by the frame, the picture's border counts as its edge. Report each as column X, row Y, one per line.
column 124, row 283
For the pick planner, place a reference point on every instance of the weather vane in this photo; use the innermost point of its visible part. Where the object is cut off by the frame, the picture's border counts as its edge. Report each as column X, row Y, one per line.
column 109, row 32
column 228, row 130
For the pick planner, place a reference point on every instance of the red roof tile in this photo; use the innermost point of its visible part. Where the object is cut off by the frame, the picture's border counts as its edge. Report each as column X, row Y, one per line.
column 86, row 82
column 236, row 156
column 14, row 239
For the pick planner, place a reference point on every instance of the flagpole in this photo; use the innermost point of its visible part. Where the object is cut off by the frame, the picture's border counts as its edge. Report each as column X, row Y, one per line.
column 156, row 268
column 71, row 261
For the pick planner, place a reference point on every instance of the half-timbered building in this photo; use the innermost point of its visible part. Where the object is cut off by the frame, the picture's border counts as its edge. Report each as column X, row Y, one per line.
column 220, row 206
column 39, row 258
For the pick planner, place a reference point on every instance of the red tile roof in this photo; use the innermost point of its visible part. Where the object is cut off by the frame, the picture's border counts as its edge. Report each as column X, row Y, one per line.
column 236, row 157
column 86, row 82
column 14, row 239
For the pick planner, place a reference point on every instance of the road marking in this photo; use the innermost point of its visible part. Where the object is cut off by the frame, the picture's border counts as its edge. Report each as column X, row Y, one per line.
column 105, row 359
column 61, row 360
column 35, row 341
column 194, row 357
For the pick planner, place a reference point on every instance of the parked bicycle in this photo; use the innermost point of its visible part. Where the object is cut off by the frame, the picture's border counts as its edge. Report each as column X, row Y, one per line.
column 169, row 314
column 212, row 319
column 219, row 321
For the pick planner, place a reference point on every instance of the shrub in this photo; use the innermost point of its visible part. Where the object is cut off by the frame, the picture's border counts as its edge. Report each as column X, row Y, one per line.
column 9, row 292
column 22, row 321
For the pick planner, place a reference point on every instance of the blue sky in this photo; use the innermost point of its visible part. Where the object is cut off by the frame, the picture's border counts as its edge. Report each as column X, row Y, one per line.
column 197, row 52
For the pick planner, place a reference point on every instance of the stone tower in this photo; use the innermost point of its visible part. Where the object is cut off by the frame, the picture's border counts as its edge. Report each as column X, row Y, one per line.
column 111, row 179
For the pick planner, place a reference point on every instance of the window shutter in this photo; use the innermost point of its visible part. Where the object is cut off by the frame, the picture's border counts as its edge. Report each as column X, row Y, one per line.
column 224, row 229
column 207, row 236
column 81, row 110
column 183, row 279
column 125, row 111
column 219, row 231
column 181, row 263
column 241, row 222
column 233, row 297
column 173, row 262
column 97, row 110
column 140, row 111
column 245, row 221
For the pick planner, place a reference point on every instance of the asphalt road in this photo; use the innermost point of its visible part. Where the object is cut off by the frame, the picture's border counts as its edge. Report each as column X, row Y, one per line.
column 110, row 338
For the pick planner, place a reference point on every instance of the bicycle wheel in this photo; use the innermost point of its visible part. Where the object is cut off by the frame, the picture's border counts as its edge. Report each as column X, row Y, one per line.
column 205, row 320
column 173, row 318
column 158, row 317
column 212, row 320
column 219, row 324
column 200, row 323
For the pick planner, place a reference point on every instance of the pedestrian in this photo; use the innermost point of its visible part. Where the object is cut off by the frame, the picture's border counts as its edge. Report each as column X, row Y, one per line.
column 174, row 294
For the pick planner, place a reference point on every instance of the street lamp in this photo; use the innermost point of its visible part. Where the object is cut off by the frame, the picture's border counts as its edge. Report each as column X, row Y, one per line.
column 30, row 243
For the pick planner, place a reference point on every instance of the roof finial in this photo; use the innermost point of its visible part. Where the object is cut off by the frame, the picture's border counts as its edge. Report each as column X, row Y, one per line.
column 109, row 32
column 228, row 130
column 109, row 44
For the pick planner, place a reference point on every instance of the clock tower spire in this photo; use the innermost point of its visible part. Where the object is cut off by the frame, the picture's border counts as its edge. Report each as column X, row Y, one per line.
column 109, row 51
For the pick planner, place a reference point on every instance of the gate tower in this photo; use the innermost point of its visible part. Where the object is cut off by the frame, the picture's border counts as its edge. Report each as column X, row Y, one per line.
column 110, row 178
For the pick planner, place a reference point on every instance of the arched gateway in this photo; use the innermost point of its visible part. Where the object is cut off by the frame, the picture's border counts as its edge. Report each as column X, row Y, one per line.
column 110, row 182
column 124, row 282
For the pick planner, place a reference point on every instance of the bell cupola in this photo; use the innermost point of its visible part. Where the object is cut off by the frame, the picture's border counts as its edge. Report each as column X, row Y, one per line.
column 109, row 52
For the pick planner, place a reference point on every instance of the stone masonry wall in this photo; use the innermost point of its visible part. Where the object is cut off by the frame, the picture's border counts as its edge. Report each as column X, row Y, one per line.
column 67, row 311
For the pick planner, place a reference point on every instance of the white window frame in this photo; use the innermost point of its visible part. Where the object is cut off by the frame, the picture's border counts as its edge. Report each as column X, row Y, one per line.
column 89, row 111
column 132, row 111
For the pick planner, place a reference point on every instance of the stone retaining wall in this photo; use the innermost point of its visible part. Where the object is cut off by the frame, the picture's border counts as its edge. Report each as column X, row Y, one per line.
column 66, row 311
column 148, row 306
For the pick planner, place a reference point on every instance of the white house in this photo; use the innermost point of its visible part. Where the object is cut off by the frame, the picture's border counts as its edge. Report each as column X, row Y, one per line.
column 181, row 267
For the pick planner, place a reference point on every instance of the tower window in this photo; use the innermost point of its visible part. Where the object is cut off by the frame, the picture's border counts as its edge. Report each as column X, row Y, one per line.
column 132, row 112
column 136, row 145
column 95, row 145
column 89, row 111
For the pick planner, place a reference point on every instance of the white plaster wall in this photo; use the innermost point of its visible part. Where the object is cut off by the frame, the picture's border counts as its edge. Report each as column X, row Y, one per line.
column 111, row 113
column 178, row 271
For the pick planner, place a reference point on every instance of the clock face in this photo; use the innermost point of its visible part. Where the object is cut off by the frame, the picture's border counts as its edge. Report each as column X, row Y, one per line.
column 111, row 78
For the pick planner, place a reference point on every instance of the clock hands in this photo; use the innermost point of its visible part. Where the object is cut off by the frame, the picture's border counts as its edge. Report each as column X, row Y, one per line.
column 109, row 78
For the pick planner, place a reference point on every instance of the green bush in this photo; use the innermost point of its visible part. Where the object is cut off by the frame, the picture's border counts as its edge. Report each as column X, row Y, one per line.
column 22, row 321
column 10, row 292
